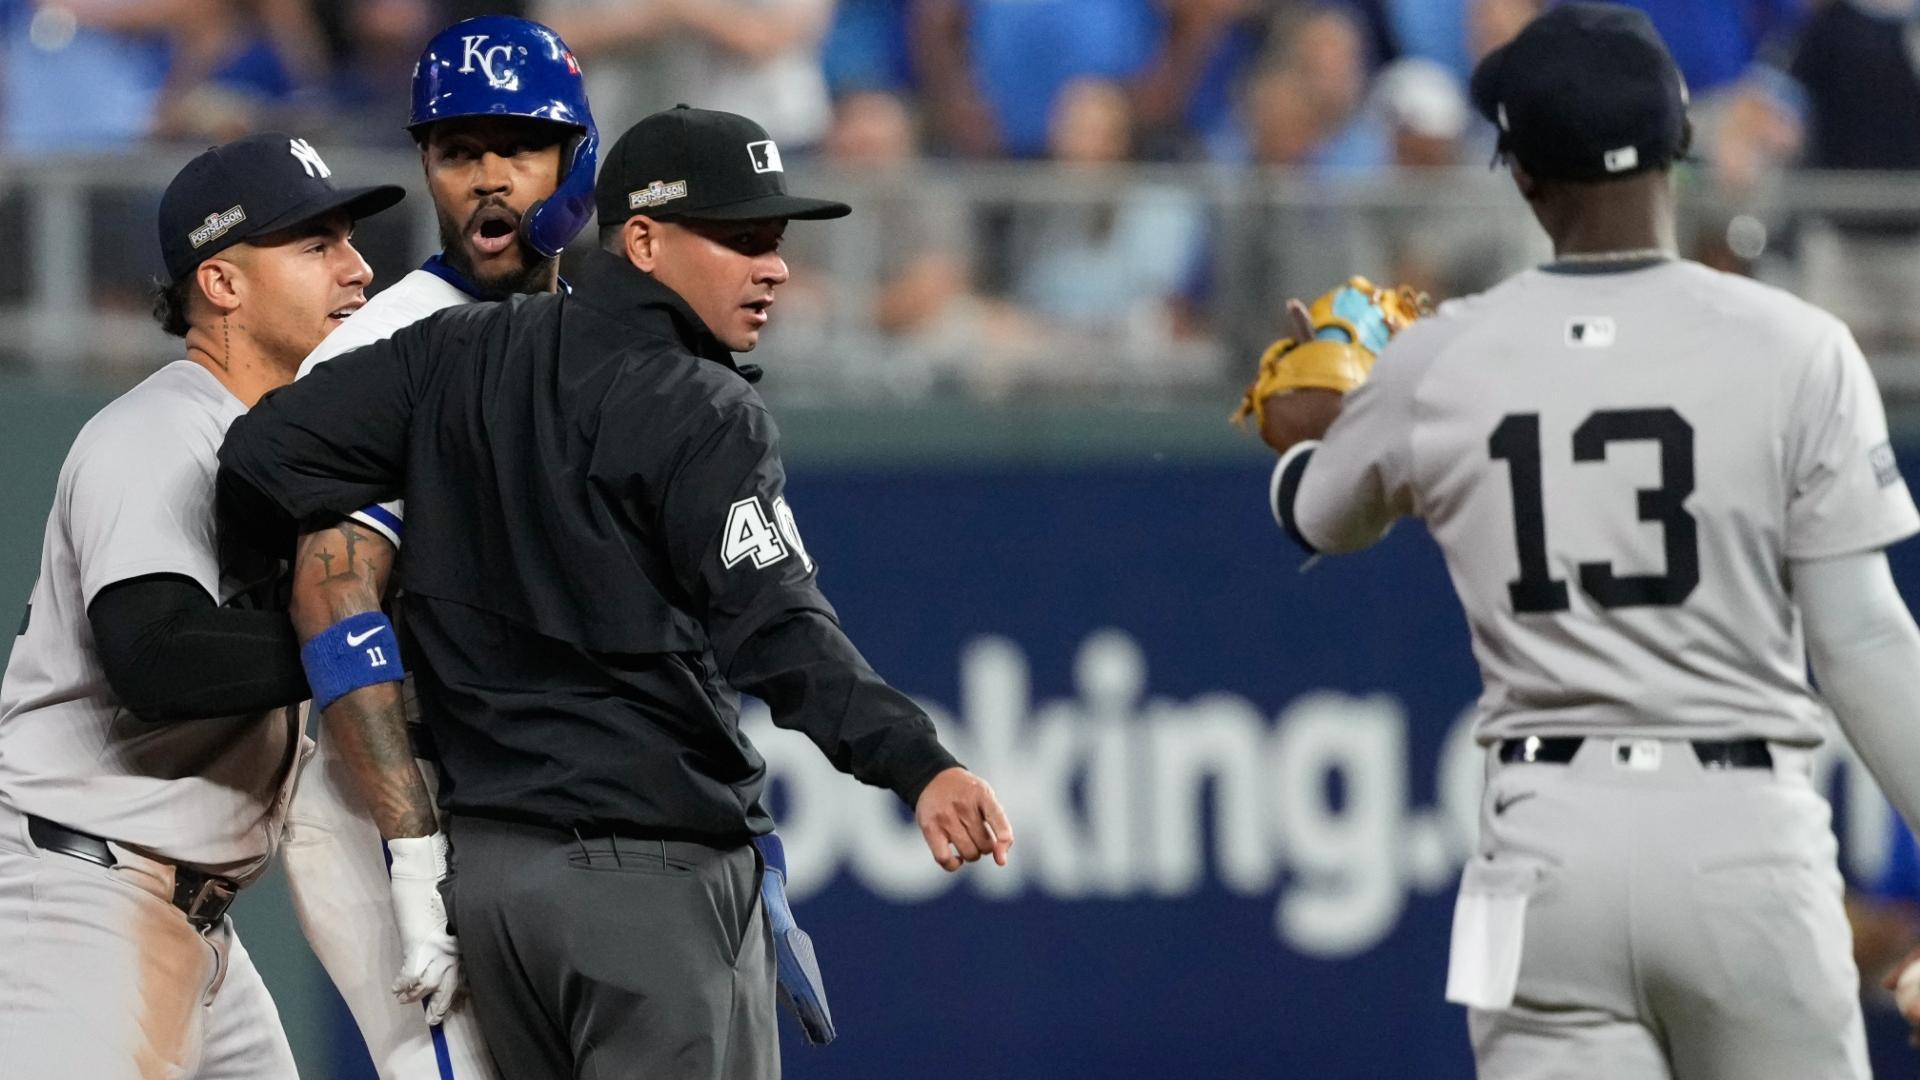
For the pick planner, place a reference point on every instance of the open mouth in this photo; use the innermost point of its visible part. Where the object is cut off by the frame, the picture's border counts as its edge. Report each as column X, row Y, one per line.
column 757, row 310
column 492, row 228
column 340, row 314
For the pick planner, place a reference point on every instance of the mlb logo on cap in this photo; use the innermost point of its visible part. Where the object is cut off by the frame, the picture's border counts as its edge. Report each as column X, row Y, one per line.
column 725, row 168
column 766, row 156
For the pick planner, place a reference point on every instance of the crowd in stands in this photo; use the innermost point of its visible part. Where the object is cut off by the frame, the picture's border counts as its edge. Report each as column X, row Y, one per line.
column 1328, row 90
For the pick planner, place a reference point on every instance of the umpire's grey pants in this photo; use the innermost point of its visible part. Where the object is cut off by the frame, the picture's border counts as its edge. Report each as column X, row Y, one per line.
column 599, row 958
column 1686, row 923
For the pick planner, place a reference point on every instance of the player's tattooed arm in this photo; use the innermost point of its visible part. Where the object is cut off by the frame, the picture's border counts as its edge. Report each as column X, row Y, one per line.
column 343, row 571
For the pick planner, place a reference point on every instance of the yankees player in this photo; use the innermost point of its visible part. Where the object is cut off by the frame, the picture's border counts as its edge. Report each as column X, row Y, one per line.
column 508, row 147
column 147, row 738
column 1657, row 488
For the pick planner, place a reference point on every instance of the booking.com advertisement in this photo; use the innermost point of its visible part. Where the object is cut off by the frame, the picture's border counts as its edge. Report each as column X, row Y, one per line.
column 1242, row 789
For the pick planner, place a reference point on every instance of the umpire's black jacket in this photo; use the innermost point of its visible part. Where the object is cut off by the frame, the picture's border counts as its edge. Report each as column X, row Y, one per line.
column 596, row 546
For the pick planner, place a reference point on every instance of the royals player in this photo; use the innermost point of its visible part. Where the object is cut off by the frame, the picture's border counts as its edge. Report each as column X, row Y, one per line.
column 147, row 738
column 508, row 146
column 1649, row 480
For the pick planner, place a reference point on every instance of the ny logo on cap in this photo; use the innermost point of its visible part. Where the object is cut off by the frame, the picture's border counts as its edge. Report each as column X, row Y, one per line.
column 489, row 56
column 765, row 155
column 309, row 158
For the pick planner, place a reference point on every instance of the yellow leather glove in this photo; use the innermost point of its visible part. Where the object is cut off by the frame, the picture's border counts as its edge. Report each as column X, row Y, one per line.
column 1350, row 324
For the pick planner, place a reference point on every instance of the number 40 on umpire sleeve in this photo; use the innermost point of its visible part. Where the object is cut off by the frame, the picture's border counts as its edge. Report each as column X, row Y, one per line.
column 749, row 533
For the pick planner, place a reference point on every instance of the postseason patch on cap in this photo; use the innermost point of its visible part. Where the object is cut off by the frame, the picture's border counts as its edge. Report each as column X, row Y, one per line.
column 1886, row 468
column 656, row 193
column 217, row 226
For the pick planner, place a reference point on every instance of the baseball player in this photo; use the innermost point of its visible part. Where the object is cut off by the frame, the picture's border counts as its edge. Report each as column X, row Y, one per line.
column 1658, row 489
column 508, row 147
column 147, row 736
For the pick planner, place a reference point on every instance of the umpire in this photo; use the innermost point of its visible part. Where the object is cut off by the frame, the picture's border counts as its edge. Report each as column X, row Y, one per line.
column 599, row 555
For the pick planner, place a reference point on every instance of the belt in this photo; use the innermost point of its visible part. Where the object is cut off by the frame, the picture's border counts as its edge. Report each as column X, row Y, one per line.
column 202, row 898
column 1737, row 754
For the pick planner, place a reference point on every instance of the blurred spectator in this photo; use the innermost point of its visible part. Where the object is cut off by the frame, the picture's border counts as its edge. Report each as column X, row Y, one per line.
column 117, row 53
column 866, row 47
column 760, row 58
column 1456, row 33
column 1117, row 263
column 1714, row 41
column 238, row 66
column 916, row 232
column 1443, row 255
column 991, row 70
column 1493, row 23
column 97, row 74
column 1425, row 111
column 373, row 45
column 1304, row 106
column 1329, row 48
column 1183, row 99
column 1849, row 99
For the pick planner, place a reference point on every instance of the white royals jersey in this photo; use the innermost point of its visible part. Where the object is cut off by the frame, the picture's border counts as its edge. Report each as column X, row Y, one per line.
column 135, row 498
column 1619, row 468
column 400, row 305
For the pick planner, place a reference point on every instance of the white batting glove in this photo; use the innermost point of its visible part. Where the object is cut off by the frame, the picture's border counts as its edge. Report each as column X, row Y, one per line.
column 430, row 964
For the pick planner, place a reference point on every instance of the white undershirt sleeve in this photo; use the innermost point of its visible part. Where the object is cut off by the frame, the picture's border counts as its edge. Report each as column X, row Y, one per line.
column 1866, row 655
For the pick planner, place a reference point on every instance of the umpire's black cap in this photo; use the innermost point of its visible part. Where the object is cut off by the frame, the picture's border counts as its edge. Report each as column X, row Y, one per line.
column 700, row 164
column 1587, row 91
column 250, row 187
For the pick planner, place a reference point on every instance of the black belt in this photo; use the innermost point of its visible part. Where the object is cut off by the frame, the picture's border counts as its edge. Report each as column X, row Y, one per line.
column 203, row 898
column 1737, row 754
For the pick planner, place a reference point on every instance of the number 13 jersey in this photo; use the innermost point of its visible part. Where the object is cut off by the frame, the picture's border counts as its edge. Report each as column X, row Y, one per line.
column 1619, row 467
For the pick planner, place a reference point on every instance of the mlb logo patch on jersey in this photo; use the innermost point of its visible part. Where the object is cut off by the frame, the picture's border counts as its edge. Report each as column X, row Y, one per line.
column 1886, row 468
column 1590, row 332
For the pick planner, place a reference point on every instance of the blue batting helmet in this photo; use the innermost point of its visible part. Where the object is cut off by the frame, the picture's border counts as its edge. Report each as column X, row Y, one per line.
column 497, row 65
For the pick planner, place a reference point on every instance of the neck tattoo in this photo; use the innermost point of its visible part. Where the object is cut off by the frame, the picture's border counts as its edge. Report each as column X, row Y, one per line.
column 226, row 346
column 1627, row 255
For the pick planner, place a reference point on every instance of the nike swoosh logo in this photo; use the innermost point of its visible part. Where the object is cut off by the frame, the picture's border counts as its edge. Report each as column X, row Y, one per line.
column 354, row 642
column 1500, row 805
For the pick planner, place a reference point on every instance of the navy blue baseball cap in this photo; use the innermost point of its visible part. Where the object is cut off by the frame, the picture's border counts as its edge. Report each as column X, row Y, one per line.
column 700, row 164
column 1587, row 91
column 250, row 187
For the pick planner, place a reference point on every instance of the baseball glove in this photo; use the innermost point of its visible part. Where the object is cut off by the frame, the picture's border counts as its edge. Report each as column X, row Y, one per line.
column 1340, row 336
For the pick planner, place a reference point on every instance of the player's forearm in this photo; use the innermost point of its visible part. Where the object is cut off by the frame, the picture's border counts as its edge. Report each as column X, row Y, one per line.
column 815, row 682
column 339, row 573
column 368, row 730
column 1866, row 654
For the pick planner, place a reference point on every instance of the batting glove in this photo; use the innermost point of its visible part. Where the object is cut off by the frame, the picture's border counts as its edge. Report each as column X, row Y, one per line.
column 430, row 967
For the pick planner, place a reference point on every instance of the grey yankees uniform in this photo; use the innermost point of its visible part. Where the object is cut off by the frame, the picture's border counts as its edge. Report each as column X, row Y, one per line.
column 1619, row 468
column 100, row 976
column 335, row 862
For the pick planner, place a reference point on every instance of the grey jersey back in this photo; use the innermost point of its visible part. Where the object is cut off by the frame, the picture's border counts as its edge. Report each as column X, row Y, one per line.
column 1619, row 469
column 135, row 497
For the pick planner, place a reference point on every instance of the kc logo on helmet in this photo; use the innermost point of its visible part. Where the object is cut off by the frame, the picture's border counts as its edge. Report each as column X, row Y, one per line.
column 476, row 51
column 765, row 155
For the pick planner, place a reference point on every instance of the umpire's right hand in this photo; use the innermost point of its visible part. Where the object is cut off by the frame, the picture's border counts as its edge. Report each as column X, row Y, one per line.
column 958, row 813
